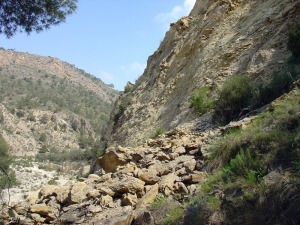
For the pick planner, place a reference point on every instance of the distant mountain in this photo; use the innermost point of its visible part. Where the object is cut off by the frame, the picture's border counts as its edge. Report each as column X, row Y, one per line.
column 48, row 105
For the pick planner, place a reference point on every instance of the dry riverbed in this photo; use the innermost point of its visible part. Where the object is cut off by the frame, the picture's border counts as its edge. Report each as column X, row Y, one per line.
column 31, row 176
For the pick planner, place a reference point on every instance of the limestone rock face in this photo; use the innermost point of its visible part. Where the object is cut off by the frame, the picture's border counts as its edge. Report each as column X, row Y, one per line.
column 217, row 40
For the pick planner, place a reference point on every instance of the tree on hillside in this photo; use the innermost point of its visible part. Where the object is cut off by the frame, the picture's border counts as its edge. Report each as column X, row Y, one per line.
column 33, row 15
column 5, row 162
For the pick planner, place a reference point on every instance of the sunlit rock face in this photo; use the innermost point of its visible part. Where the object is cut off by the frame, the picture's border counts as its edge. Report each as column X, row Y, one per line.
column 217, row 40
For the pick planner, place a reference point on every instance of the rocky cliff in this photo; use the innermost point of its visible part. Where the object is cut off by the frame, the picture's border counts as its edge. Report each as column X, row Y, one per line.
column 217, row 40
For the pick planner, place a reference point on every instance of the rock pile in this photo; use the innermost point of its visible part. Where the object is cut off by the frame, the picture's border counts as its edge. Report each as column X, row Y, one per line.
column 124, row 180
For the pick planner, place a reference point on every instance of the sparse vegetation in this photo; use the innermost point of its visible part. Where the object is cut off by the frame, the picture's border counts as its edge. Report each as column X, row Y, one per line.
column 7, row 177
column 237, row 94
column 294, row 41
column 242, row 158
column 201, row 101
column 159, row 131
column 54, row 94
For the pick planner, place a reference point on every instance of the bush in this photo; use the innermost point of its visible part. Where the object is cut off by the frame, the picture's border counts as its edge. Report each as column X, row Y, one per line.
column 159, row 131
column 200, row 100
column 275, row 85
column 237, row 94
column 294, row 41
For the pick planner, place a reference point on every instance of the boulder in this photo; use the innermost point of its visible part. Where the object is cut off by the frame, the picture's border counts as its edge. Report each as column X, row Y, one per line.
column 149, row 176
column 116, row 216
column 37, row 218
column 179, row 150
column 162, row 156
column 149, row 197
column 62, row 194
column 85, row 170
column 194, row 178
column 104, row 189
column 79, row 192
column 106, row 201
column 144, row 218
column 111, row 160
column 128, row 185
column 94, row 193
column 47, row 191
column 40, row 209
column 129, row 199
column 190, row 165
column 95, row 208
column 167, row 181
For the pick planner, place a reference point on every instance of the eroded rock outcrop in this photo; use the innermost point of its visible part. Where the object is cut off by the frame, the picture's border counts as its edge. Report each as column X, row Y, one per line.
column 217, row 40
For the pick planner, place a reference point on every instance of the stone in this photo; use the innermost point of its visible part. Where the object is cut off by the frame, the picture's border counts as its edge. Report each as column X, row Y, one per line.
column 145, row 218
column 180, row 150
column 148, row 176
column 162, row 156
column 94, row 177
column 128, row 185
column 137, row 156
column 149, row 197
column 105, row 190
column 194, row 178
column 192, row 189
column 37, row 218
column 94, row 193
column 63, row 194
column 33, row 197
column 168, row 181
column 190, row 165
column 180, row 187
column 122, row 149
column 47, row 191
column 129, row 199
column 111, row 160
column 273, row 178
column 94, row 208
column 118, row 216
column 85, row 170
column 40, row 209
column 106, row 200
column 79, row 192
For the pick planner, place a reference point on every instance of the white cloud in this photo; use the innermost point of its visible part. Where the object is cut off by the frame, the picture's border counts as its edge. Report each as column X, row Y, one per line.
column 134, row 68
column 176, row 13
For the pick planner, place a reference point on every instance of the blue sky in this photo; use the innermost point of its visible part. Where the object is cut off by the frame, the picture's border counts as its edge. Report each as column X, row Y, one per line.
column 111, row 39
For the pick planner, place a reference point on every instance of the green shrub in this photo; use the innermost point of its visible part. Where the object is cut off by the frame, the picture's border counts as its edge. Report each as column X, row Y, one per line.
column 129, row 87
column 159, row 131
column 274, row 85
column 237, row 94
column 174, row 217
column 52, row 182
column 201, row 101
column 294, row 41
column 43, row 137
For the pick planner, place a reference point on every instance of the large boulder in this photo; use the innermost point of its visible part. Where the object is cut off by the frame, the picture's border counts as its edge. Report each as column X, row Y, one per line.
column 149, row 197
column 111, row 160
column 40, row 209
column 79, row 192
column 128, row 185
column 149, row 176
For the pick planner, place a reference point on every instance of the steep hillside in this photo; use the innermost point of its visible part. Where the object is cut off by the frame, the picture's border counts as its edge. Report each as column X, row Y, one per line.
column 50, row 106
column 219, row 39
